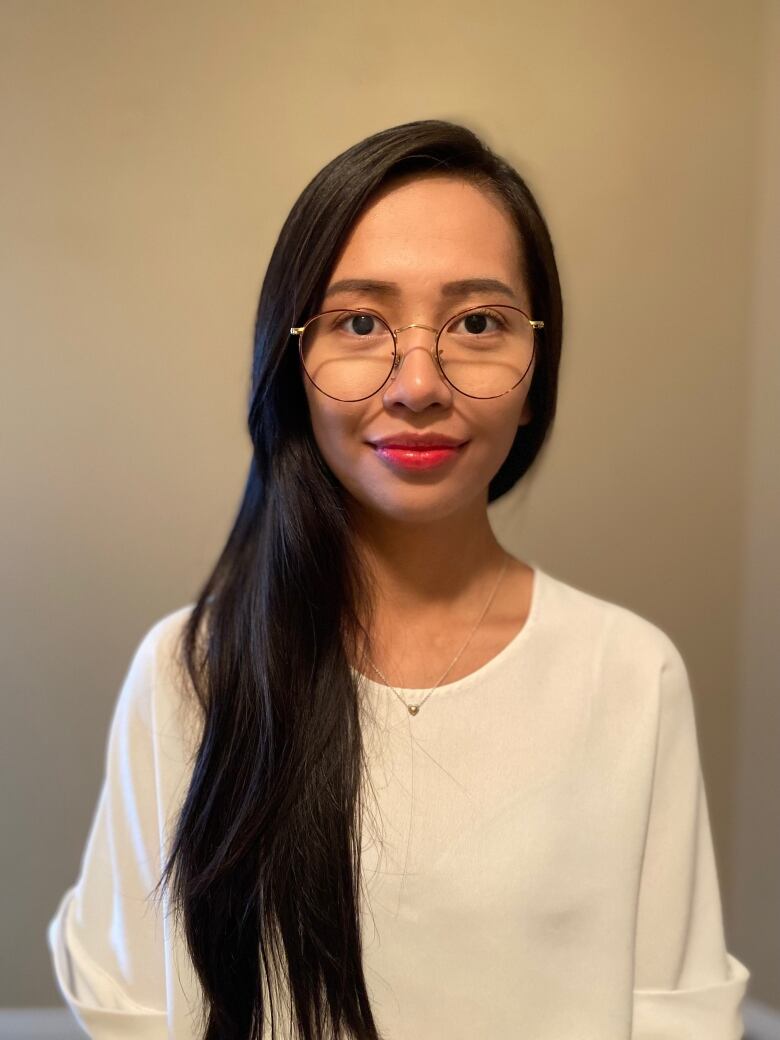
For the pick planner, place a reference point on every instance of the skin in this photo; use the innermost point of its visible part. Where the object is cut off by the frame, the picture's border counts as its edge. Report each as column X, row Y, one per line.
column 426, row 536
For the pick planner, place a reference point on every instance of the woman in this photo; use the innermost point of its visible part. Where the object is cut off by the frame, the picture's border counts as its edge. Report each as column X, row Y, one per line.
column 427, row 789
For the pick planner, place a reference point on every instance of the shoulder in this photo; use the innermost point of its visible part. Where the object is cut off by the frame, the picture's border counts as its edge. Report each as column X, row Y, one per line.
column 158, row 649
column 162, row 634
column 162, row 641
column 156, row 693
column 627, row 673
column 621, row 644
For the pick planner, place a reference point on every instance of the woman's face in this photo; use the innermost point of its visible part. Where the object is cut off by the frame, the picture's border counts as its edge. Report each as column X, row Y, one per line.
column 418, row 235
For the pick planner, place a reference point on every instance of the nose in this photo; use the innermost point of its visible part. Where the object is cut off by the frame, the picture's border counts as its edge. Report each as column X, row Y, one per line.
column 417, row 380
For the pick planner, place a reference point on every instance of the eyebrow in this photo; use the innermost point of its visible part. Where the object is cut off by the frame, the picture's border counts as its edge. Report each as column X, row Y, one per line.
column 449, row 290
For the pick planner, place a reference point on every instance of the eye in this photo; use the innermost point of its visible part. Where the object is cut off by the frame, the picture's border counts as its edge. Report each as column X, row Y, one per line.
column 360, row 324
column 478, row 322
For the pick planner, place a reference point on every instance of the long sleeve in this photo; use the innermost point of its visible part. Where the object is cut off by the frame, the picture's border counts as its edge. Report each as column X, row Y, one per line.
column 106, row 938
column 686, row 984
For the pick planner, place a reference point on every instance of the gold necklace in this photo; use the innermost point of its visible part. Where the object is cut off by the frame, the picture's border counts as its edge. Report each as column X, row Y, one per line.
column 414, row 708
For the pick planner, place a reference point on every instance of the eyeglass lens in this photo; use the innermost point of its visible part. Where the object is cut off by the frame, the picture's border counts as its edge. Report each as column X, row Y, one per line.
column 483, row 352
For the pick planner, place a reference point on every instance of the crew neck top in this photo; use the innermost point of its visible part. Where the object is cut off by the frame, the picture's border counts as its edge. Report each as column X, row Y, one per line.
column 414, row 694
column 537, row 860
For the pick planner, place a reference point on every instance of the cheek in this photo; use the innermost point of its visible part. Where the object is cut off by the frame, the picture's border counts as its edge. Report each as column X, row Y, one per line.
column 500, row 445
column 325, row 436
column 336, row 438
column 321, row 421
column 500, row 434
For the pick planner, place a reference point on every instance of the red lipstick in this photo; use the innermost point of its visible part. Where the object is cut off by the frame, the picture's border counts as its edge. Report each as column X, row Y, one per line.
column 409, row 458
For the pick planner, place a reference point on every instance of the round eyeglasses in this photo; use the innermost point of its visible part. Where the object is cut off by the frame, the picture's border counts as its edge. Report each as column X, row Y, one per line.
column 482, row 352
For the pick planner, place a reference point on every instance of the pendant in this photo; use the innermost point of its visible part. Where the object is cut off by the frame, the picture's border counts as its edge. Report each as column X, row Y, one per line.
column 413, row 708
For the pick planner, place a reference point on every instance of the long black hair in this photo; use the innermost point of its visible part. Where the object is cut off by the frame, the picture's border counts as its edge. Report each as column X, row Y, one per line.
column 265, row 858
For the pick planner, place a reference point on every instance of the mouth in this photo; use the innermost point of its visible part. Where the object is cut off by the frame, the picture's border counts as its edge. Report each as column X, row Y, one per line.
column 410, row 457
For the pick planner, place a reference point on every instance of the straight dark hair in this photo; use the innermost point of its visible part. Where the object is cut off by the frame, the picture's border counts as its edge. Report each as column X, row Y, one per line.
column 264, row 866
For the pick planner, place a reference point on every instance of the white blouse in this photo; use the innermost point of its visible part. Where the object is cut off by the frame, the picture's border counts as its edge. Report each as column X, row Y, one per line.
column 537, row 860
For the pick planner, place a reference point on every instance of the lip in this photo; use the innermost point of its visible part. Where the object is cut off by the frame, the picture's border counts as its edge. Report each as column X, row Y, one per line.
column 408, row 457
column 417, row 441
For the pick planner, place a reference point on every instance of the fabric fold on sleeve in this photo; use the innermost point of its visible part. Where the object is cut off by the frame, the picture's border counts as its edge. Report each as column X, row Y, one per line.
column 712, row 1011
column 686, row 984
column 106, row 938
column 94, row 998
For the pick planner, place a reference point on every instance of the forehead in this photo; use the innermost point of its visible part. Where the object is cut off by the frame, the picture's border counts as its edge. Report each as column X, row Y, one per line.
column 436, row 227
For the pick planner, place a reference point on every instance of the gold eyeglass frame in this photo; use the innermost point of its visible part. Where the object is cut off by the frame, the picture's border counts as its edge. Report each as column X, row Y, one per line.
column 298, row 330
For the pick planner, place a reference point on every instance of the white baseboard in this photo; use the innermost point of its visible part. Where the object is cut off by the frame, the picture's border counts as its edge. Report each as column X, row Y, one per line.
column 761, row 1023
column 39, row 1024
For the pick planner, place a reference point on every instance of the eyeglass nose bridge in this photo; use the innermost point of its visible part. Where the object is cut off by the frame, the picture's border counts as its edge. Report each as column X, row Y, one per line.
column 400, row 355
column 416, row 325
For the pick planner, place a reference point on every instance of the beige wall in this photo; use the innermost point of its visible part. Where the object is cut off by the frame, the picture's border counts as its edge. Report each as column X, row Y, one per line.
column 755, row 844
column 151, row 153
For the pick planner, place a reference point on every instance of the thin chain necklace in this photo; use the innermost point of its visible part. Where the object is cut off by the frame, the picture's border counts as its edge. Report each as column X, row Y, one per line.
column 414, row 708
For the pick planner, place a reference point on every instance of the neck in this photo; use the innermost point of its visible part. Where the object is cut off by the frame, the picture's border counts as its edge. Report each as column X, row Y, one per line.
column 418, row 567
